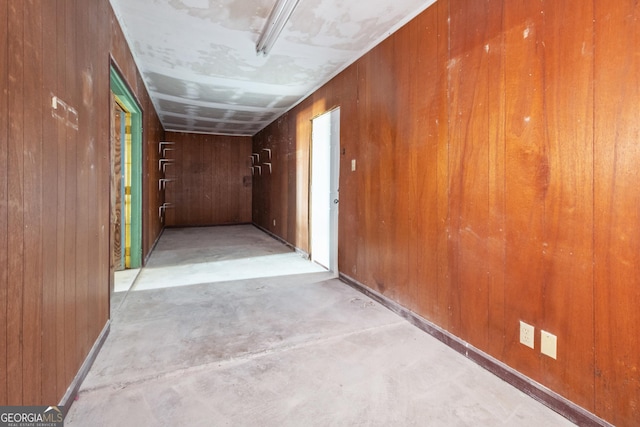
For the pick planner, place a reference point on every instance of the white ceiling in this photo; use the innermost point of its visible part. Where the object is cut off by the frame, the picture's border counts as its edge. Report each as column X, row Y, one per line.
column 199, row 62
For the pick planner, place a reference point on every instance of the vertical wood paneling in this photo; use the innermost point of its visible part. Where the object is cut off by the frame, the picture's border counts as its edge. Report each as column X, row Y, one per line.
column 62, row 379
column 489, row 217
column 267, row 185
column 379, row 171
column 194, row 172
column 348, row 208
column 15, row 169
column 288, row 176
column 549, row 198
column 152, row 195
column 102, row 102
column 49, row 201
column 210, row 180
column 278, row 179
column 84, row 152
column 568, row 304
column 4, row 200
column 366, row 246
column 32, row 216
column 261, row 191
column 501, row 142
column 472, row 97
column 440, row 313
column 417, row 136
column 223, row 167
column 257, row 204
column 476, row 171
column 95, row 101
column 170, row 193
column 54, row 191
column 527, row 182
column 244, row 205
column 69, row 214
column 495, row 244
column 617, row 235
column 209, row 183
column 385, row 170
column 280, row 183
column 272, row 181
column 409, row 138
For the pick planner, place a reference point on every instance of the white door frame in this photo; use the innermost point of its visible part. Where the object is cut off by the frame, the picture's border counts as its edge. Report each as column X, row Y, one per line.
column 325, row 178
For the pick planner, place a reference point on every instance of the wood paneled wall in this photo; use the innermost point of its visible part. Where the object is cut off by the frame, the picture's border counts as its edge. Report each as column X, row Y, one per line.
column 153, row 133
column 54, row 189
column 211, row 180
column 616, row 237
column 497, row 150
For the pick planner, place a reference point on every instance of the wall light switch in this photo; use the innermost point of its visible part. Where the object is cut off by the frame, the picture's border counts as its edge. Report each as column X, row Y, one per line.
column 548, row 344
column 527, row 333
column 353, row 165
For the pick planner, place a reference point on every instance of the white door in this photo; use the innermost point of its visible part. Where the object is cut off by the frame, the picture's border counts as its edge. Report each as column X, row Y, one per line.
column 325, row 179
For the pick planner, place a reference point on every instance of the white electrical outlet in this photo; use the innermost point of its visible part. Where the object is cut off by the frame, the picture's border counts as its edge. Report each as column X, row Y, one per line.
column 548, row 344
column 274, row 222
column 527, row 334
column 353, row 165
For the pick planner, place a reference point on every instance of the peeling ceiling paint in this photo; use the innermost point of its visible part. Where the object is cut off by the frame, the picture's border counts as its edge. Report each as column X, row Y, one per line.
column 198, row 58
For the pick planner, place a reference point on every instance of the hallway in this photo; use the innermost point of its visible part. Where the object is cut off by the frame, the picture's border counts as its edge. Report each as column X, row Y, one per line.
column 226, row 326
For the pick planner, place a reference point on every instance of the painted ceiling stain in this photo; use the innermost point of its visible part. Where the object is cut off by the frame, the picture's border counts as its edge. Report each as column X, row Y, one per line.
column 198, row 57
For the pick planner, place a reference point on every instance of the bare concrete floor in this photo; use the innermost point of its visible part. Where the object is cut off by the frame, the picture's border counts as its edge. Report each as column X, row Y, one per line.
column 228, row 327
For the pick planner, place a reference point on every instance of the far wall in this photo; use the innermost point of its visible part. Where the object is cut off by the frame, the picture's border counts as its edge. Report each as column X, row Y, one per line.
column 211, row 180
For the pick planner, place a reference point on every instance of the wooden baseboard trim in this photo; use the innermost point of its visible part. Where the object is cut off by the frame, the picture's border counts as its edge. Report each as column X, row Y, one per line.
column 284, row 242
column 537, row 391
column 224, row 224
column 153, row 247
column 72, row 391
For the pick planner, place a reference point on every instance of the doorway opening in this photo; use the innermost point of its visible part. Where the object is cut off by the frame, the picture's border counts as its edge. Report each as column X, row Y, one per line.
column 120, row 182
column 324, row 189
column 126, row 179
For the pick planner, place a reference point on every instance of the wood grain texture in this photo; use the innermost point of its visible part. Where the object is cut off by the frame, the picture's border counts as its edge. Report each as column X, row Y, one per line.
column 415, row 44
column 476, row 179
column 495, row 182
column 84, row 150
column 438, row 304
column 15, row 173
column 527, row 170
column 617, row 235
column 54, row 192
column 100, row 292
column 378, row 168
column 417, row 135
column 62, row 379
column 480, row 197
column 49, row 201
column 116, row 186
column 71, row 344
column 549, row 193
column 496, row 244
column 33, row 208
column 568, row 305
column 4, row 194
column 348, row 208
column 212, row 180
column 153, row 197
